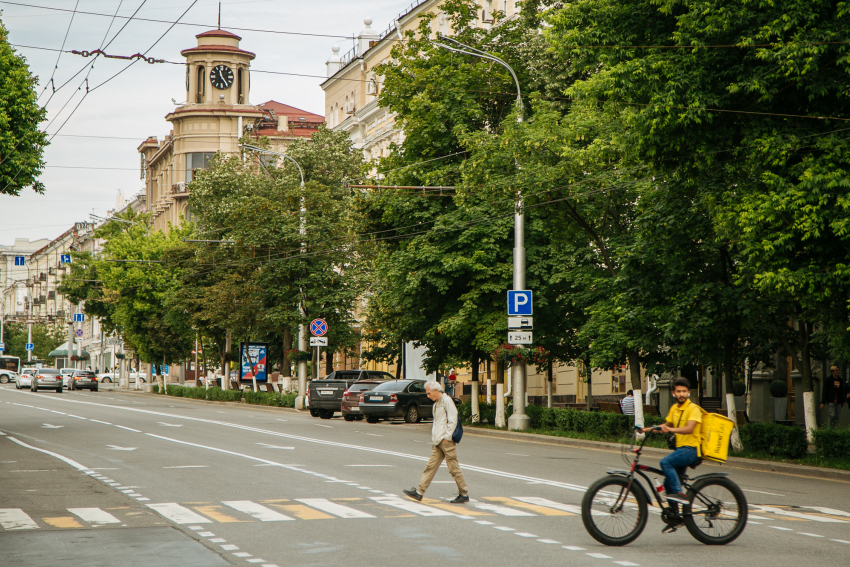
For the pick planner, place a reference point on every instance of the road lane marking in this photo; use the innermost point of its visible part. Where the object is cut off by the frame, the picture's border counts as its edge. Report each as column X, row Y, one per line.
column 188, row 467
column 502, row 510
column 484, row 523
column 503, row 529
column 840, row 541
column 626, row 564
column 242, row 554
column 304, row 512
column 98, row 421
column 71, row 462
column 781, row 512
column 368, row 465
column 202, row 534
column 218, row 540
column 544, row 510
column 63, row 522
column 573, row 548
column 117, row 448
column 320, row 425
column 573, row 509
column 257, row 511
column 49, row 426
column 168, row 424
column 459, row 510
column 524, row 534
column 230, row 547
column 76, row 416
column 781, row 528
column 410, row 506
column 333, row 508
column 808, row 534
column 598, row 555
column 760, row 492
column 94, row 515
column 178, row 514
column 256, row 560
column 549, row 541
column 16, row 519
column 129, row 429
column 214, row 513
column 831, row 511
column 267, row 446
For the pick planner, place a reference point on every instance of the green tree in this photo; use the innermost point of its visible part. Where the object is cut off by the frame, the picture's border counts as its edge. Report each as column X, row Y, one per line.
column 21, row 142
column 45, row 338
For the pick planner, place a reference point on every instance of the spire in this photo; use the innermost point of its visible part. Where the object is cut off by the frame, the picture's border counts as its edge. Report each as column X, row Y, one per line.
column 219, row 15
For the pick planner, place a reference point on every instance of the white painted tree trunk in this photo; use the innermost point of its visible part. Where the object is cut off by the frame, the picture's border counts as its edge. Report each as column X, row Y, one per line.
column 489, row 393
column 476, row 412
column 500, row 405
column 811, row 420
column 737, row 446
column 548, row 393
column 639, row 414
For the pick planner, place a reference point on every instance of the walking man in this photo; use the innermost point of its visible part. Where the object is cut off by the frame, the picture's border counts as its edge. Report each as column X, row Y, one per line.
column 627, row 404
column 833, row 396
column 445, row 422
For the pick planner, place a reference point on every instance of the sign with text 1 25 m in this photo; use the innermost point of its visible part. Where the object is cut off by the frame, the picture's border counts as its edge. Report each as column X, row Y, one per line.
column 253, row 361
column 519, row 302
column 520, row 337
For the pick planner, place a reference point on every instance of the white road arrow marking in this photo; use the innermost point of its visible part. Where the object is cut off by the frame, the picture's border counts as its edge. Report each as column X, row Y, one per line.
column 117, row 448
column 49, row 426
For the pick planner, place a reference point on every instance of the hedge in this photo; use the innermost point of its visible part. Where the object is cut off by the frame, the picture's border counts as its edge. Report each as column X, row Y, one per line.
column 270, row 399
column 833, row 442
column 774, row 439
column 603, row 424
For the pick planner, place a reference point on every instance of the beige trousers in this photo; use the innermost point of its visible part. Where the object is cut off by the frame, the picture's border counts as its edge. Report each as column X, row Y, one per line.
column 447, row 450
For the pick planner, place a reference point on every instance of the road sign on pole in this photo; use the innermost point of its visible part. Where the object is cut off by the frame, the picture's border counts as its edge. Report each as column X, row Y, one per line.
column 319, row 327
column 30, row 346
column 520, row 323
column 318, row 341
column 79, row 317
column 519, row 302
column 79, row 332
column 2, row 347
column 520, row 337
column 65, row 259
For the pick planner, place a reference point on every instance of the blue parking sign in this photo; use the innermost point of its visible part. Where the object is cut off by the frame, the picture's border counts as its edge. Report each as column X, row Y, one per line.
column 519, row 302
column 30, row 346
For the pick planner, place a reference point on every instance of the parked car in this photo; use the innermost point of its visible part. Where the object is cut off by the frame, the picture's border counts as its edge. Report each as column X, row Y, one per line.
column 396, row 398
column 46, row 378
column 81, row 379
column 24, row 379
column 351, row 398
column 66, row 372
column 110, row 377
column 325, row 395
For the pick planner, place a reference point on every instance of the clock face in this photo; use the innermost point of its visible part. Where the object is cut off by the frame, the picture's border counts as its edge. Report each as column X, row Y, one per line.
column 221, row 76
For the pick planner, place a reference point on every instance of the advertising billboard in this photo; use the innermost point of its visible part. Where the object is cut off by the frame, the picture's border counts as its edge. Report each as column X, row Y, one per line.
column 253, row 361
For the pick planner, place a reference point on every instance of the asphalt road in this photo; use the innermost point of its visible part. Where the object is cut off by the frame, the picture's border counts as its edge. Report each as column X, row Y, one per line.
column 201, row 484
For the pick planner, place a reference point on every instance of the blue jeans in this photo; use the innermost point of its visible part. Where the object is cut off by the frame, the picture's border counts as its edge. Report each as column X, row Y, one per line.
column 675, row 464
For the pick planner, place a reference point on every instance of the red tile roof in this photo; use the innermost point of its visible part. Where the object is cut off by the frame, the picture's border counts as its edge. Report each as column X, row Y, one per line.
column 285, row 110
column 207, row 48
column 219, row 33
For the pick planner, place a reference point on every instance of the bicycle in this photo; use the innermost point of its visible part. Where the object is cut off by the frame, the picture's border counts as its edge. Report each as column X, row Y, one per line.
column 614, row 509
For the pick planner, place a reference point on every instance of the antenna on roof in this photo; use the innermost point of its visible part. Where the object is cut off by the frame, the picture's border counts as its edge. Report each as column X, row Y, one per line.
column 219, row 15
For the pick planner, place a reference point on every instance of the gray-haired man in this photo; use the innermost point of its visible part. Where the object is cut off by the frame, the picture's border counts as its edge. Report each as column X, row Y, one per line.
column 445, row 421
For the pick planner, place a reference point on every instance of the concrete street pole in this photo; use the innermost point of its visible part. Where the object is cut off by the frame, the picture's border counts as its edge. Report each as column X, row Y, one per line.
column 197, row 383
column 29, row 330
column 225, row 380
column 70, row 341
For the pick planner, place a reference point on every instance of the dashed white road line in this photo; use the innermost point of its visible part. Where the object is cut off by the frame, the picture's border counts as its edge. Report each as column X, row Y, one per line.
column 16, row 519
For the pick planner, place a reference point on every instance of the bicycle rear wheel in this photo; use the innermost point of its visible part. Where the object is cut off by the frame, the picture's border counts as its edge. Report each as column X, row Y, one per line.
column 718, row 511
column 614, row 511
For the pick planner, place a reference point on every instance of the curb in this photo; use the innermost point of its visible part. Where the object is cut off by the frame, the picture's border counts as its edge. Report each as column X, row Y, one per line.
column 207, row 402
column 733, row 463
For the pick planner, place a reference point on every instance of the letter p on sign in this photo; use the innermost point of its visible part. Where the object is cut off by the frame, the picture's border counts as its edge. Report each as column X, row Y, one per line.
column 519, row 303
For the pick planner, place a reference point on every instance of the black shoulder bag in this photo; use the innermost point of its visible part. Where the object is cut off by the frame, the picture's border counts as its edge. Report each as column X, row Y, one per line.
column 671, row 439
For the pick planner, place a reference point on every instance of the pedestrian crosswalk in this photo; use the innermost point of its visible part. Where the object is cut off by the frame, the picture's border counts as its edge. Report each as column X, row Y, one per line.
column 372, row 507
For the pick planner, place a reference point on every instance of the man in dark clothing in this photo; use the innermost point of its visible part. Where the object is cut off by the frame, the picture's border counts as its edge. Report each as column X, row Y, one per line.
column 833, row 396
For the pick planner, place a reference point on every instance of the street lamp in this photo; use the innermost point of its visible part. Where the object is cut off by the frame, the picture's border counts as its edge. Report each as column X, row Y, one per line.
column 302, row 330
column 518, row 421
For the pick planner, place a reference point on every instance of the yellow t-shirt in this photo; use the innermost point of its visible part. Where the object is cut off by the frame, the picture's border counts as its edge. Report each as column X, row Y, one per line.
column 679, row 417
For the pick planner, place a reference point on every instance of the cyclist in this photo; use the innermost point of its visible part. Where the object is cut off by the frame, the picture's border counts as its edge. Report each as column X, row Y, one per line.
column 687, row 442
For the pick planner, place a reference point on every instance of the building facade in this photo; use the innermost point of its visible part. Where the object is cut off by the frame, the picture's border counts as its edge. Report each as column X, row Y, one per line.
column 216, row 114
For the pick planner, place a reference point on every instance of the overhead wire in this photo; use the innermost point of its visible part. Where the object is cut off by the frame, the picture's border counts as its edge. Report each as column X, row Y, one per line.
column 59, row 56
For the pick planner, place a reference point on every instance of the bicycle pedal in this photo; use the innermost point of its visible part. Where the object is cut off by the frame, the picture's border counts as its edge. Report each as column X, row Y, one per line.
column 669, row 529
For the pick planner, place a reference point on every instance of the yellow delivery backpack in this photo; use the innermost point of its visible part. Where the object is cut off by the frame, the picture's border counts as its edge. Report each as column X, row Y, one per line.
column 715, row 432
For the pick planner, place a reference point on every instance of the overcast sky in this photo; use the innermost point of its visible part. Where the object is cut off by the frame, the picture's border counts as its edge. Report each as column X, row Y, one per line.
column 134, row 104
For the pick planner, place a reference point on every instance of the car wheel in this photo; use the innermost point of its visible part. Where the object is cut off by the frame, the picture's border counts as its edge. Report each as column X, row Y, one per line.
column 4, row 379
column 94, row 389
column 326, row 414
column 371, row 419
column 107, row 380
column 412, row 414
column 348, row 417
column 314, row 412
column 59, row 390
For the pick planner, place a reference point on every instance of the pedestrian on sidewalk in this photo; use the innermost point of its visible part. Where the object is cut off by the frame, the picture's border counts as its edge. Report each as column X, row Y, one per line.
column 833, row 396
column 627, row 404
column 445, row 422
column 452, row 380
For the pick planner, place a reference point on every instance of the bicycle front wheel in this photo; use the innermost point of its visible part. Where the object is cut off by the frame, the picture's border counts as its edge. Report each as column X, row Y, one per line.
column 614, row 510
column 718, row 511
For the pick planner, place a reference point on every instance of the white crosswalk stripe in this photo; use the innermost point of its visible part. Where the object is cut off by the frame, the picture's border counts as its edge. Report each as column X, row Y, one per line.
column 178, row 514
column 94, row 515
column 257, row 511
column 502, row 510
column 16, row 519
column 333, row 508
column 572, row 508
column 410, row 506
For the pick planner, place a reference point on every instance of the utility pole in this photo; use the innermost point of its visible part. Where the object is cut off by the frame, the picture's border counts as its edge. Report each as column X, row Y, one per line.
column 518, row 421
column 196, row 360
column 70, row 338
column 29, row 327
column 225, row 380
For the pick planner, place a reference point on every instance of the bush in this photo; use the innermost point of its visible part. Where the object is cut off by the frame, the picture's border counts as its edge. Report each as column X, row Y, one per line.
column 270, row 399
column 155, row 388
column 778, row 389
column 833, row 442
column 219, row 395
column 777, row 440
column 739, row 388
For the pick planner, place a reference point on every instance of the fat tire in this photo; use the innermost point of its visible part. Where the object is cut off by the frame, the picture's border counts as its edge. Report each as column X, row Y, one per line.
column 740, row 500
column 613, row 484
column 412, row 414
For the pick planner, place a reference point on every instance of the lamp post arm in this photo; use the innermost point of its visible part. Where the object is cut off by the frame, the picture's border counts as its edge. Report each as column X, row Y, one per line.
column 264, row 151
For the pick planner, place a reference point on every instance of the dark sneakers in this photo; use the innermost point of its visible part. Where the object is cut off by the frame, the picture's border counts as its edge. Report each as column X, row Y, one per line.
column 460, row 499
column 412, row 493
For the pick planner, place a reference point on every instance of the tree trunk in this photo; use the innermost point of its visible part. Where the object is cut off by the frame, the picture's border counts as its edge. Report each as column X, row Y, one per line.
column 634, row 368
column 489, row 383
column 476, row 412
column 589, row 375
column 808, row 384
column 160, row 378
column 329, row 362
column 399, row 362
column 728, row 367
column 285, row 379
column 500, row 395
column 549, row 385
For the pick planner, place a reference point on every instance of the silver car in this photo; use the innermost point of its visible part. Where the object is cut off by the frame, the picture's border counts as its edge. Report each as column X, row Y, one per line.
column 24, row 379
column 47, row 379
column 81, row 379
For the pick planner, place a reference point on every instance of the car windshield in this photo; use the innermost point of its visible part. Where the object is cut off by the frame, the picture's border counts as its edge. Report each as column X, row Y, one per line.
column 393, row 386
column 361, row 387
column 85, row 373
column 48, row 371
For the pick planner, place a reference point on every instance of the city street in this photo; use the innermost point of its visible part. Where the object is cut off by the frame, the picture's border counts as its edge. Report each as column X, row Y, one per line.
column 116, row 478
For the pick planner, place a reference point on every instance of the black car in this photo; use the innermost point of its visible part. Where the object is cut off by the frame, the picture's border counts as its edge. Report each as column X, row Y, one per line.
column 397, row 398
column 325, row 395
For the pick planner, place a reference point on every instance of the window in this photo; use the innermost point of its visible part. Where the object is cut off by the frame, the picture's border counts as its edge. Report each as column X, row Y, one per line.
column 198, row 160
column 202, row 81
column 416, row 388
column 239, row 87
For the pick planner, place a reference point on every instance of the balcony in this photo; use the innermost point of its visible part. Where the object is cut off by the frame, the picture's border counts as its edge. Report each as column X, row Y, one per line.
column 42, row 277
column 51, row 295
